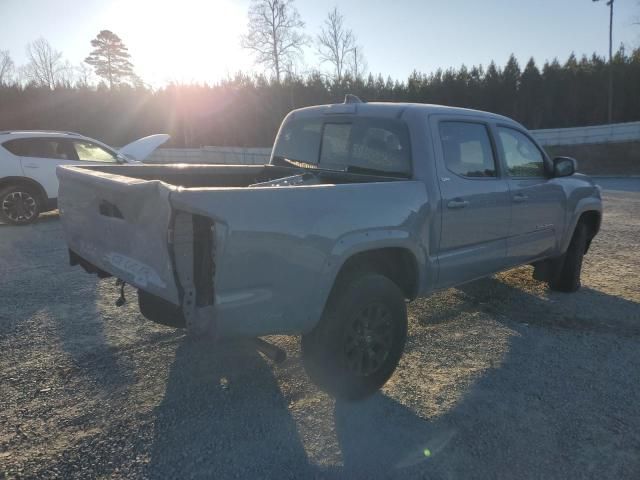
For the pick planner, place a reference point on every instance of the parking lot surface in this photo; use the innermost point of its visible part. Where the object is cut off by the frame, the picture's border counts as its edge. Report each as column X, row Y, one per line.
column 501, row 379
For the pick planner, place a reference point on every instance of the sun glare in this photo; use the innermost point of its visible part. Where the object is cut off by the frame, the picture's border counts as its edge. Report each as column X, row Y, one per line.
column 185, row 41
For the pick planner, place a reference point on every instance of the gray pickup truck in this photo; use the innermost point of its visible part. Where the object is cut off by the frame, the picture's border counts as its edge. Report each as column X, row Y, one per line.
column 362, row 207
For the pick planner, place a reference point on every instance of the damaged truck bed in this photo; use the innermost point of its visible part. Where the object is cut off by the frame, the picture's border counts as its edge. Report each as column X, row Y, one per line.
column 172, row 230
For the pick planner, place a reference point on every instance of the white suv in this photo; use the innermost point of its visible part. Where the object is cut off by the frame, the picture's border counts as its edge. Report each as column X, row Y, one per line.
column 28, row 161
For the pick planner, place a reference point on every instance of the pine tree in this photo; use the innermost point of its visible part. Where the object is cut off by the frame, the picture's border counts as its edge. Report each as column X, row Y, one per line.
column 553, row 98
column 110, row 58
column 492, row 89
column 530, row 95
column 510, row 85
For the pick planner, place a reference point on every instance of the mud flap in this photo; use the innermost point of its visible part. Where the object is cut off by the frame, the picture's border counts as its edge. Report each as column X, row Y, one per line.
column 160, row 311
column 546, row 270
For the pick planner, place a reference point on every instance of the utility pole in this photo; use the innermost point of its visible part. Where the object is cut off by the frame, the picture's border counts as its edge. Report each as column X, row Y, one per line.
column 610, row 109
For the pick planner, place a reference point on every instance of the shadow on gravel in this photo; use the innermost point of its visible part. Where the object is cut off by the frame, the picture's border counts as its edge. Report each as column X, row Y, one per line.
column 380, row 438
column 562, row 402
column 556, row 407
column 45, row 299
column 587, row 309
column 223, row 416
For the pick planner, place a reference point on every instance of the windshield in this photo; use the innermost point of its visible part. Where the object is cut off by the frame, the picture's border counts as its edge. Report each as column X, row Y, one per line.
column 346, row 143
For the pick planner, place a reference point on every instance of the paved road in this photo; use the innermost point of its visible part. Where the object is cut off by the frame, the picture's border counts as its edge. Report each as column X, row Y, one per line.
column 631, row 184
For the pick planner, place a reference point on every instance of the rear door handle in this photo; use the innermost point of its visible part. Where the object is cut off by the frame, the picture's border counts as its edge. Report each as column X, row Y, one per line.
column 31, row 165
column 457, row 203
column 519, row 198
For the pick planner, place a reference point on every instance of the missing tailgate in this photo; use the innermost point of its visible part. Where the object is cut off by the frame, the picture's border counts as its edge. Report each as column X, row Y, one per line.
column 203, row 259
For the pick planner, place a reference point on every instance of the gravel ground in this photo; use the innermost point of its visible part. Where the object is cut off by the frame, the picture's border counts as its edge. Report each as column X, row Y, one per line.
column 501, row 379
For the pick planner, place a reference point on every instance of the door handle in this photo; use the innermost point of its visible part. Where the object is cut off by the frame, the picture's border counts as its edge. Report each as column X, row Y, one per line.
column 519, row 198
column 31, row 165
column 457, row 203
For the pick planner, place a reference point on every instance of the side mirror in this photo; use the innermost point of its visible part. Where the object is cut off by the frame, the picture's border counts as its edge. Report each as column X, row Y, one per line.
column 564, row 166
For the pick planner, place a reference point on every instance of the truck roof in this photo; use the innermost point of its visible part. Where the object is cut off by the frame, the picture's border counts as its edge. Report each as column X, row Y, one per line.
column 391, row 109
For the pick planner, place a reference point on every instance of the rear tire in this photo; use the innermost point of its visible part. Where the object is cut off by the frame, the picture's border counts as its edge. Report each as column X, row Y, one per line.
column 359, row 340
column 568, row 277
column 19, row 205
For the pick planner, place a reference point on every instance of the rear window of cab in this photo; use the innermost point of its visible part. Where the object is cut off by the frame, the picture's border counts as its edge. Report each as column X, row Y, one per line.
column 340, row 142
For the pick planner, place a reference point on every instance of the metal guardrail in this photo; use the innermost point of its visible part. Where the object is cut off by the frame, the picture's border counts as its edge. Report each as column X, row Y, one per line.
column 615, row 133
column 221, row 155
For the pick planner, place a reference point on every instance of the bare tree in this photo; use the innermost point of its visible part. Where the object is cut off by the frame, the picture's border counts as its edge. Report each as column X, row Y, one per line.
column 6, row 67
column 84, row 75
column 67, row 74
column 45, row 65
column 357, row 63
column 335, row 42
column 274, row 35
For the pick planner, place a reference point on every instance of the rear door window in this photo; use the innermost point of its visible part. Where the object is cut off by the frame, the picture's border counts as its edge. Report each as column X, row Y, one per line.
column 467, row 149
column 19, row 146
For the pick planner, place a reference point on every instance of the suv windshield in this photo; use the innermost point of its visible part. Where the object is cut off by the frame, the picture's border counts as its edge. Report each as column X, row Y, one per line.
column 357, row 144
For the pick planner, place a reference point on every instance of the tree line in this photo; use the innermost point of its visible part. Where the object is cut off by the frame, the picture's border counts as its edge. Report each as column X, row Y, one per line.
column 275, row 38
column 246, row 109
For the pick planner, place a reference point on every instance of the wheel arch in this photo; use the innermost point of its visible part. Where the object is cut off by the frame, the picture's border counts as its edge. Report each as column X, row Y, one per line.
column 399, row 262
column 592, row 219
column 590, row 211
column 26, row 181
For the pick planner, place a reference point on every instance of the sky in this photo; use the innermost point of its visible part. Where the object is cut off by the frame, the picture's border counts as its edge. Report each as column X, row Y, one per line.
column 199, row 40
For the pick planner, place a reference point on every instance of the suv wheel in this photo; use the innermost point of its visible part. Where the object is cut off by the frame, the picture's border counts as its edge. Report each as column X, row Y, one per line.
column 19, row 205
column 359, row 340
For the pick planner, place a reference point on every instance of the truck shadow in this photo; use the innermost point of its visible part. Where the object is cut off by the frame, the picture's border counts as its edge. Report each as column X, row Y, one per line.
column 381, row 438
column 223, row 415
column 587, row 309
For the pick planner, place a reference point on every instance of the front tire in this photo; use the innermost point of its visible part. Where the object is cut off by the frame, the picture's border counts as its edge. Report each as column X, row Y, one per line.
column 568, row 277
column 19, row 205
column 359, row 340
